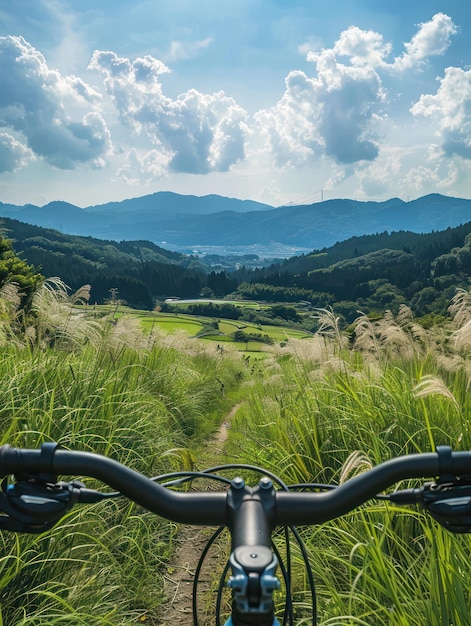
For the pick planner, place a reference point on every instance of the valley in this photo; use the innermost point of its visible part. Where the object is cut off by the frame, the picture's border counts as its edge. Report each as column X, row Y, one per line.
column 370, row 273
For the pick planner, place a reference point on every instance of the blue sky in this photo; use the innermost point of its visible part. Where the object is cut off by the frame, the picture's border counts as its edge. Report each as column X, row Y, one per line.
column 279, row 101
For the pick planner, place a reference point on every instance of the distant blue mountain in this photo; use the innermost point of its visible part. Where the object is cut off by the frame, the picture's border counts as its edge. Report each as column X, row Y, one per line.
column 190, row 221
column 166, row 203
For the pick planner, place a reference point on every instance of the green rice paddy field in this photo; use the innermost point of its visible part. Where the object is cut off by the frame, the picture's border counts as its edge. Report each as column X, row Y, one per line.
column 192, row 325
column 201, row 327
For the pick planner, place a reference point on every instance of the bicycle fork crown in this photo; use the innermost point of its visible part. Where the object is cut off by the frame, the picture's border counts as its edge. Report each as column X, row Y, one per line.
column 253, row 579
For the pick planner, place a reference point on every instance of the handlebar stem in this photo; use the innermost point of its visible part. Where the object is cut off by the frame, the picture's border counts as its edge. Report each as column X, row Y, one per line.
column 251, row 521
column 251, row 514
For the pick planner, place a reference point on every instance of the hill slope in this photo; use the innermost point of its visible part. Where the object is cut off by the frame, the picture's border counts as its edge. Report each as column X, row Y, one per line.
column 139, row 270
column 368, row 273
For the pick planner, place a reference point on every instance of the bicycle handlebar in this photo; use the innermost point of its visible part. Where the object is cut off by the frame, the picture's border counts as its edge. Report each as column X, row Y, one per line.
column 37, row 501
column 190, row 508
column 210, row 508
column 355, row 491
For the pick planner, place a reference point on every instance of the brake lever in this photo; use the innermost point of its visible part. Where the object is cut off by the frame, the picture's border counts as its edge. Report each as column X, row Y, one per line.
column 449, row 503
column 450, row 506
column 448, row 499
column 34, row 505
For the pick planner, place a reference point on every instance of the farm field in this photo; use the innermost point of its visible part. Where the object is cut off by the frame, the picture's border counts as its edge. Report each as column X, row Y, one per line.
column 171, row 324
column 193, row 325
column 209, row 329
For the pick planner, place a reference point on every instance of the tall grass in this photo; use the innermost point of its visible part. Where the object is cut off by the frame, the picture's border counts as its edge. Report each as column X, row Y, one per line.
column 321, row 409
column 326, row 409
column 101, row 386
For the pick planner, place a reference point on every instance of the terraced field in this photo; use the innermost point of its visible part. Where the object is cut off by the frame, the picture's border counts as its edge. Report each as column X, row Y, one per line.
column 205, row 328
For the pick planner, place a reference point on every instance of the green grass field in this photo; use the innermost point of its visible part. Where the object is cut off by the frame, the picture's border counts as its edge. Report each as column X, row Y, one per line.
column 171, row 324
column 192, row 325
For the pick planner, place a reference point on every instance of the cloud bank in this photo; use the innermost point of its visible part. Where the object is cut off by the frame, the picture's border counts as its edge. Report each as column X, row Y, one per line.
column 195, row 133
column 450, row 111
column 338, row 112
column 46, row 114
column 329, row 114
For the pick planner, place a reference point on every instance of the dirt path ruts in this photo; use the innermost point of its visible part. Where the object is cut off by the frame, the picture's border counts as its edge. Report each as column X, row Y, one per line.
column 190, row 543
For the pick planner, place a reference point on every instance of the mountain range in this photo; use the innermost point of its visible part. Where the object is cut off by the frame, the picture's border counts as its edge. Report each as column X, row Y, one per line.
column 186, row 222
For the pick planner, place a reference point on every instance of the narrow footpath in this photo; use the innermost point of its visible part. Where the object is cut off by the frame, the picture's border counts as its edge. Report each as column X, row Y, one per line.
column 190, row 543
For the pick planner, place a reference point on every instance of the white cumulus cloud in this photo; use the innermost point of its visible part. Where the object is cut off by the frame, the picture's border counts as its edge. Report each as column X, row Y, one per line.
column 340, row 111
column 55, row 115
column 142, row 169
column 431, row 39
column 195, row 133
column 13, row 154
column 329, row 114
column 450, row 112
column 362, row 47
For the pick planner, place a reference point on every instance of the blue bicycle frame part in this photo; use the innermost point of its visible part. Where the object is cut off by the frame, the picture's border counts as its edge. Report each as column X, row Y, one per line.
column 253, row 582
column 231, row 623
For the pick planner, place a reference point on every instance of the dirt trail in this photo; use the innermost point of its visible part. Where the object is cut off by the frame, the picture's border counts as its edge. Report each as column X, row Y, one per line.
column 190, row 544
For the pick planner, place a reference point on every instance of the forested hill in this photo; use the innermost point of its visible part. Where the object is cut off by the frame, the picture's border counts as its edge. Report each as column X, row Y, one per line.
column 426, row 246
column 371, row 273
column 139, row 270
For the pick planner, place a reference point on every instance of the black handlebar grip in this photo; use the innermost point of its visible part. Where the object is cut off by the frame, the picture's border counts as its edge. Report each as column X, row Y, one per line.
column 8, row 460
column 24, row 461
column 194, row 508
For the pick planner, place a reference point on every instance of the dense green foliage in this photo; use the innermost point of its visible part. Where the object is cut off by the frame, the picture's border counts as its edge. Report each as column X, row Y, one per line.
column 319, row 409
column 241, row 336
column 14, row 270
